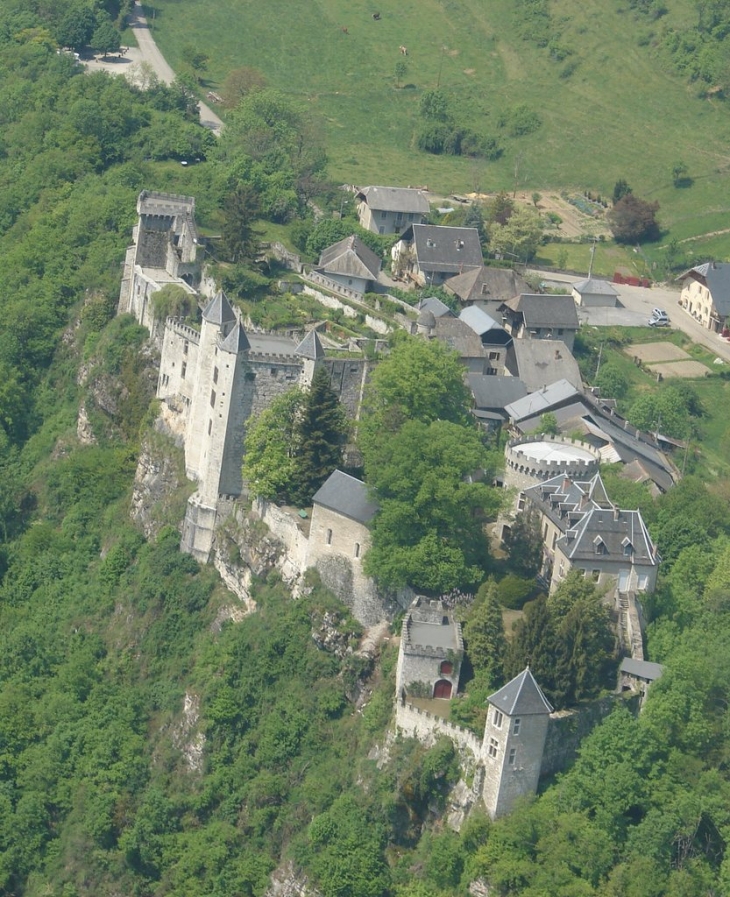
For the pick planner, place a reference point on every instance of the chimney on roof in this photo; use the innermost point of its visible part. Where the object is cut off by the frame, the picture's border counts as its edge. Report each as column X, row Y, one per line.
column 616, row 513
column 557, row 354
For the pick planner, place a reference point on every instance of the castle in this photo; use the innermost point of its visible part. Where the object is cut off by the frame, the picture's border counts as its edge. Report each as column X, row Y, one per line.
column 213, row 380
column 509, row 757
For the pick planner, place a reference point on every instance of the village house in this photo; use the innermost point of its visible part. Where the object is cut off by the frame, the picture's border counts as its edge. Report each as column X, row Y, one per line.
column 534, row 316
column 494, row 338
column 706, row 294
column 486, row 284
column 491, row 396
column 582, row 529
column 637, row 676
column 593, row 293
column 389, row 210
column 430, row 254
column 540, row 362
column 350, row 263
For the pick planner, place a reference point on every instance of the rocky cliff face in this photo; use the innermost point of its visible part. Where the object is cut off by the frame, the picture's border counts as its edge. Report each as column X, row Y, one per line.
column 160, row 486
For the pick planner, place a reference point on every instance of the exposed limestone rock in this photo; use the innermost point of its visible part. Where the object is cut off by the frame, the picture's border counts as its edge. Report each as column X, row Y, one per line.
column 159, row 485
column 84, row 432
column 184, row 736
column 479, row 888
column 289, row 881
column 458, row 805
column 328, row 637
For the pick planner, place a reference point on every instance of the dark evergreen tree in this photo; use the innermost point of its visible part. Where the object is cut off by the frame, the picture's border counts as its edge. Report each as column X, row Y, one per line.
column 321, row 430
column 486, row 644
column 240, row 238
column 536, row 644
column 524, row 544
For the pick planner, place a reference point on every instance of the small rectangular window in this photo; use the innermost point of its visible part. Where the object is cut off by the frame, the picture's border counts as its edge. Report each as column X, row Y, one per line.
column 210, row 426
column 521, row 502
column 186, row 344
column 215, row 375
column 329, row 536
column 212, row 398
column 183, row 369
column 596, row 575
column 383, row 215
column 494, row 356
column 498, row 718
column 357, row 549
column 512, row 753
column 274, row 372
column 555, row 539
column 516, row 726
column 493, row 747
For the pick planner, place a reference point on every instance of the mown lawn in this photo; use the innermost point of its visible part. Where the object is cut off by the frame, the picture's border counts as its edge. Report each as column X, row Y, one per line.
column 617, row 115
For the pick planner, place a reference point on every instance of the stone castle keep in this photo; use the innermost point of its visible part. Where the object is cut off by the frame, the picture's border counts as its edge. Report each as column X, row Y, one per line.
column 211, row 381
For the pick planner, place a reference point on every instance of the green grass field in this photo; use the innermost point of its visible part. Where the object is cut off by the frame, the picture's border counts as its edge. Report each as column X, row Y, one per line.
column 618, row 115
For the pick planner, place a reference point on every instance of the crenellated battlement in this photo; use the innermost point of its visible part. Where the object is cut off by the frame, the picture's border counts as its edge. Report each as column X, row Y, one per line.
column 178, row 326
column 572, row 464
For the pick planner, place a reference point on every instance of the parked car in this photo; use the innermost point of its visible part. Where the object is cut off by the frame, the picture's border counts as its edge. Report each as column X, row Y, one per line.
column 659, row 318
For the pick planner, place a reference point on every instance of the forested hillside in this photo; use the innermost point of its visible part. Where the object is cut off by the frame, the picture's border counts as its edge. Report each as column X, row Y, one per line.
column 149, row 745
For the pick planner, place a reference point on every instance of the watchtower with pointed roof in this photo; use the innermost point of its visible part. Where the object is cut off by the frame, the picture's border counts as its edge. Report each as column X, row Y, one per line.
column 514, row 741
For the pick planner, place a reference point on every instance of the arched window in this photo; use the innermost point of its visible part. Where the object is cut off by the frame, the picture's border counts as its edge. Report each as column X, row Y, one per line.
column 446, row 668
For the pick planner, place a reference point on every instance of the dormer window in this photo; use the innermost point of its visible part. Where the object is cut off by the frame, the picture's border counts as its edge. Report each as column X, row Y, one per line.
column 431, row 244
column 599, row 546
column 628, row 547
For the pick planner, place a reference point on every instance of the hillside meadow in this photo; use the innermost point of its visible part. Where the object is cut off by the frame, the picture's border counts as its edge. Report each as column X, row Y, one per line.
column 609, row 108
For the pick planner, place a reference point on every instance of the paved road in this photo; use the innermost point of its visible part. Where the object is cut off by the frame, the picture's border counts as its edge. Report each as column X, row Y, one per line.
column 148, row 52
column 638, row 303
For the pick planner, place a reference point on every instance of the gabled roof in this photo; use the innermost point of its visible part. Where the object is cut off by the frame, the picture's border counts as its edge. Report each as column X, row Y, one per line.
column 310, row 347
column 236, row 341
column 644, row 669
column 541, row 311
column 539, row 362
column 350, row 258
column 479, row 321
column 564, row 501
column 521, row 697
column 433, row 304
column 495, row 392
column 541, row 401
column 716, row 277
column 487, row 283
column 346, row 495
column 218, row 310
column 395, row 199
column 445, row 249
column 592, row 286
column 459, row 336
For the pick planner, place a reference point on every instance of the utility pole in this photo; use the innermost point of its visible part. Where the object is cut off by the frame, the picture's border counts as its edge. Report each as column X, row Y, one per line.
column 590, row 264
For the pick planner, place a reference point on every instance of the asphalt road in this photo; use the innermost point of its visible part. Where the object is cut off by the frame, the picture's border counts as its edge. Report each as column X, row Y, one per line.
column 148, row 52
column 637, row 304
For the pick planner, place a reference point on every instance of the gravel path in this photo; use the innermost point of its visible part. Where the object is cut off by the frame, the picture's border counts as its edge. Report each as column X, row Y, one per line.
column 148, row 52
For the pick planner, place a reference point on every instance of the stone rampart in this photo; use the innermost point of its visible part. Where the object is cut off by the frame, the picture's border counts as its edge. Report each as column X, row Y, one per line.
column 290, row 533
column 576, row 468
column 182, row 329
column 420, row 724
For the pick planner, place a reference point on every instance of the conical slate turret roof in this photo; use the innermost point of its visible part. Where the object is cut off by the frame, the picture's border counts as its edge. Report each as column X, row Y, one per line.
column 236, row 341
column 218, row 310
column 310, row 346
column 521, row 697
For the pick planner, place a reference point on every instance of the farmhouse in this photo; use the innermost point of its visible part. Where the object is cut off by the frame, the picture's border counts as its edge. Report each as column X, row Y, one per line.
column 534, row 316
column 486, row 283
column 350, row 263
column 389, row 210
column 706, row 294
column 430, row 253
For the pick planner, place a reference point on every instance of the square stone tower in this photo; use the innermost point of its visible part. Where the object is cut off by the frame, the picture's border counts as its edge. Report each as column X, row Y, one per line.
column 431, row 650
column 514, row 740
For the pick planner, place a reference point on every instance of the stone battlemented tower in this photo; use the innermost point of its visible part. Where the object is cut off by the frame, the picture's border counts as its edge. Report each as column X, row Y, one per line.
column 514, row 740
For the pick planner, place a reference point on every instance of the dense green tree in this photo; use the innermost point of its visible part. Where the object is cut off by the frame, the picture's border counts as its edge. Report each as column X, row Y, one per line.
column 612, row 381
column 620, row 189
column 484, row 636
column 77, row 26
column 105, row 39
column 240, row 237
column 523, row 541
column 519, row 237
column 239, row 83
column 269, row 460
column 429, row 531
column 320, row 433
column 633, row 220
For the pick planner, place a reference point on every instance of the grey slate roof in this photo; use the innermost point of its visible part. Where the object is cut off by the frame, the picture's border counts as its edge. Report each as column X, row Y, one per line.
column 643, row 669
column 395, row 199
column 564, row 501
column 541, row 401
column 310, row 347
column 495, row 392
column 521, row 697
column 350, row 258
column 545, row 311
column 435, row 306
column 459, row 336
column 594, row 287
column 716, row 276
column 614, row 528
column 487, row 283
column 479, row 321
column 539, row 362
column 218, row 310
column 346, row 495
column 236, row 341
column 445, row 250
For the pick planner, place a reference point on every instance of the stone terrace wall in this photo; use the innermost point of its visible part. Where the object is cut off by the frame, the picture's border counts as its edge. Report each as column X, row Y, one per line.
column 426, row 727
